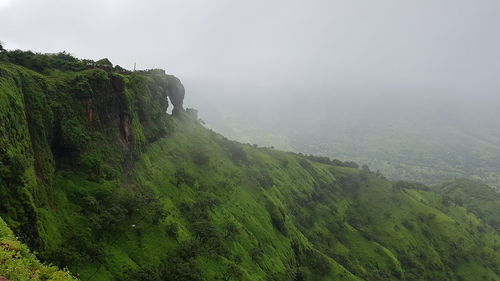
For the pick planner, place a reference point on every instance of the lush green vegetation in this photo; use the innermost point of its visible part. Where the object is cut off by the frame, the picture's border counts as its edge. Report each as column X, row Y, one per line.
column 96, row 177
column 19, row 264
column 475, row 197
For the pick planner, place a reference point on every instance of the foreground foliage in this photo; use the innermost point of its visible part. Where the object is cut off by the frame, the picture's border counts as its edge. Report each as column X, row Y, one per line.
column 18, row 264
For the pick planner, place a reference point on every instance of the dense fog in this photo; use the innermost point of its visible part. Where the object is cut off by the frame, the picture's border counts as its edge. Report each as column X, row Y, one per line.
column 347, row 79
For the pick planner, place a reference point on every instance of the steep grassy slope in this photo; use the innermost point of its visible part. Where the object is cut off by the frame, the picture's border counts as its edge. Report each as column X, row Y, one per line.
column 97, row 177
column 476, row 197
column 17, row 263
column 350, row 219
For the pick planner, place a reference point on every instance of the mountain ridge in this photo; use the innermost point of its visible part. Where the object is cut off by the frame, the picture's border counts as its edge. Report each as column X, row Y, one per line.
column 130, row 192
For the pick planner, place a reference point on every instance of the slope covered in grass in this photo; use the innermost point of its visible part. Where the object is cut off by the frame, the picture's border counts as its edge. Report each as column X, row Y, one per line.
column 333, row 219
column 476, row 197
column 96, row 176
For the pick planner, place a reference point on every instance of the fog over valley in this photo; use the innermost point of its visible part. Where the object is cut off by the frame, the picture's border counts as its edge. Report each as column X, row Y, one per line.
column 380, row 82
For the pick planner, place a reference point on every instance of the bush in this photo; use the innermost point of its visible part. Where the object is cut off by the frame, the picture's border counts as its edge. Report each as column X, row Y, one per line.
column 407, row 224
column 311, row 258
column 256, row 254
column 199, row 158
column 277, row 218
column 183, row 177
column 318, row 262
column 179, row 265
column 172, row 229
column 264, row 179
column 231, row 230
column 328, row 161
column 233, row 272
column 43, row 62
column 74, row 134
column 111, row 210
column 235, row 151
column 398, row 185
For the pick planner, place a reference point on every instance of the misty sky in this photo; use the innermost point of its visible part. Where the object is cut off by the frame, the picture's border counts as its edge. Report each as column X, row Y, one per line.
column 249, row 52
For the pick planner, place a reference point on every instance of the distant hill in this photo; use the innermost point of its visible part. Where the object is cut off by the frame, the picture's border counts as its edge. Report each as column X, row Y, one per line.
column 412, row 138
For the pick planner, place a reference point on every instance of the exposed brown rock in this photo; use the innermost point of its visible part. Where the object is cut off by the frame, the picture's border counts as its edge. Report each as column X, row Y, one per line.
column 88, row 108
column 124, row 126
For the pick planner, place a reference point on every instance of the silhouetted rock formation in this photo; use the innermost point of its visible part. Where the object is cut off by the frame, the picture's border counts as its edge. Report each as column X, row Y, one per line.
column 176, row 94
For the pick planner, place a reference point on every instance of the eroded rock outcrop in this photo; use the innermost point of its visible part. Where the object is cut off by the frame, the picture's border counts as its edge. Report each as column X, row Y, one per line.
column 176, row 92
column 169, row 86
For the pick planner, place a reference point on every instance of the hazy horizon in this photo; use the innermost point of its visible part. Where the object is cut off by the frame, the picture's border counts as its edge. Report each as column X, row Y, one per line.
column 340, row 78
column 270, row 51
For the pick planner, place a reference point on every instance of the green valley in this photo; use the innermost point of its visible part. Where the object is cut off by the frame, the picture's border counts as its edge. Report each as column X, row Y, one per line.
column 97, row 178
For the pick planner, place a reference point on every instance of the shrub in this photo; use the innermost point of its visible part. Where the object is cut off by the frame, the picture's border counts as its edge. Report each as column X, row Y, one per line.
column 318, row 262
column 172, row 229
column 231, row 230
column 74, row 134
column 264, row 179
column 407, row 224
column 236, row 152
column 43, row 62
column 183, row 177
column 233, row 272
column 334, row 162
column 256, row 254
column 179, row 265
column 277, row 218
column 199, row 158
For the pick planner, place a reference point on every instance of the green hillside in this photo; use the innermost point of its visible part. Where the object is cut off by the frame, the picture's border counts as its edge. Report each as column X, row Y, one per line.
column 476, row 197
column 96, row 177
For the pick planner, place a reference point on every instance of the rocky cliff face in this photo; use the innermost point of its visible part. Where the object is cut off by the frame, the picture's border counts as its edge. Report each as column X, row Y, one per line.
column 91, row 120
